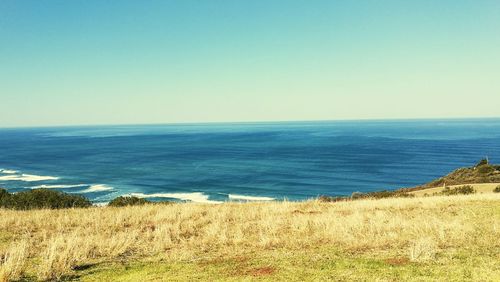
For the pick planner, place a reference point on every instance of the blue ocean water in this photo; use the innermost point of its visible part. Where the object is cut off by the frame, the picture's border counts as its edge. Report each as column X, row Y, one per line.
column 242, row 161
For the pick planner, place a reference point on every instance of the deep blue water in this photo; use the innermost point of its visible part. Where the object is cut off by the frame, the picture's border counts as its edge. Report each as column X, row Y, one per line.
column 209, row 162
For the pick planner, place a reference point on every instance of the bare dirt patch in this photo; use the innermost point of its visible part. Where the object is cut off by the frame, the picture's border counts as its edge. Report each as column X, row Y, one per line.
column 397, row 261
column 261, row 271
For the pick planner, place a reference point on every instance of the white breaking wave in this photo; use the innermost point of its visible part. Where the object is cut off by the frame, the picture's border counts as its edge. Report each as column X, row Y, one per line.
column 249, row 198
column 27, row 177
column 58, row 186
column 8, row 171
column 97, row 188
column 196, row 197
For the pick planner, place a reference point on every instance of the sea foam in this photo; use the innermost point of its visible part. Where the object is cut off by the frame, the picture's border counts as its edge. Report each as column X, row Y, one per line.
column 8, row 171
column 196, row 197
column 249, row 198
column 27, row 177
column 58, row 186
column 97, row 188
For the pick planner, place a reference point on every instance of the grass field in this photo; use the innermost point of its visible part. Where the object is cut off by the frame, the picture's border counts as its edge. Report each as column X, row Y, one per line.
column 441, row 238
column 479, row 187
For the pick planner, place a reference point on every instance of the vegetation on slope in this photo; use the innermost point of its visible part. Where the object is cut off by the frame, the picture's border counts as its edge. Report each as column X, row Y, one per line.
column 41, row 199
column 461, row 190
column 124, row 201
column 370, row 195
column 388, row 239
column 483, row 172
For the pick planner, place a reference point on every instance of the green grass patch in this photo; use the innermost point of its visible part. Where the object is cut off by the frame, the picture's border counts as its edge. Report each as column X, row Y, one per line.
column 324, row 264
column 5, row 239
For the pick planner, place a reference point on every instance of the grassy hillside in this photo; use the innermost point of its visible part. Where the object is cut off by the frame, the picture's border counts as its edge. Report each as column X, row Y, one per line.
column 481, row 173
column 452, row 238
column 478, row 187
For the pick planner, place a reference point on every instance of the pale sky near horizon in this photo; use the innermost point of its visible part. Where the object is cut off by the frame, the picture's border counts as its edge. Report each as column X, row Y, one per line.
column 122, row 62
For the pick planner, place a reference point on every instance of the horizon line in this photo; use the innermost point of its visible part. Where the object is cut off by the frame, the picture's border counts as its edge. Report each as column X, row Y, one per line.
column 251, row 122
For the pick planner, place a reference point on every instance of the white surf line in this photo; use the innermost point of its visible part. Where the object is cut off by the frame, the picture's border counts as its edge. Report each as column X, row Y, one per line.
column 97, row 188
column 8, row 171
column 196, row 197
column 27, row 177
column 249, row 198
column 58, row 186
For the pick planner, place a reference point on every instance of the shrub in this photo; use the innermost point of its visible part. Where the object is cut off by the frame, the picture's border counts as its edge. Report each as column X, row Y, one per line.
column 41, row 199
column 389, row 194
column 330, row 199
column 497, row 189
column 485, row 169
column 123, row 201
column 482, row 162
column 373, row 195
column 461, row 190
column 3, row 194
column 466, row 189
column 358, row 195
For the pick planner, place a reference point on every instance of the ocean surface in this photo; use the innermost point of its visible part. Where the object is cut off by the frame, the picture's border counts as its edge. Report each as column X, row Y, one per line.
column 242, row 161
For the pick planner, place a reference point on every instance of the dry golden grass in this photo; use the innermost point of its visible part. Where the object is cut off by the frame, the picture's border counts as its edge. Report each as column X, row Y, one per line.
column 479, row 187
column 49, row 244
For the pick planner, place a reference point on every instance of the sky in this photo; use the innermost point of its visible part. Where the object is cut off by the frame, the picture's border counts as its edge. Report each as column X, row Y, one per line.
column 84, row 62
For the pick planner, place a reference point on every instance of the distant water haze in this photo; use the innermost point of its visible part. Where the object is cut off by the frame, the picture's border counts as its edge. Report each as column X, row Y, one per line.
column 213, row 163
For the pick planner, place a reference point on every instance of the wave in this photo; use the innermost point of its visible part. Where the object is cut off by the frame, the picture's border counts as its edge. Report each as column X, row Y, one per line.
column 27, row 177
column 58, row 186
column 249, row 198
column 196, row 197
column 97, row 188
column 8, row 171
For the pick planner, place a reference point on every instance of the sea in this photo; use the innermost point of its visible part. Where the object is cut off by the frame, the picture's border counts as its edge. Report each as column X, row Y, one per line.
column 219, row 162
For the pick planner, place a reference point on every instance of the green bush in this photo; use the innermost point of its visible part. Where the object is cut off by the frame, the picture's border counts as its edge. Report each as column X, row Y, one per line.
column 41, row 199
column 485, row 169
column 330, row 199
column 123, row 201
column 497, row 189
column 4, row 197
column 389, row 194
column 381, row 194
column 358, row 195
column 461, row 190
column 482, row 162
column 372, row 195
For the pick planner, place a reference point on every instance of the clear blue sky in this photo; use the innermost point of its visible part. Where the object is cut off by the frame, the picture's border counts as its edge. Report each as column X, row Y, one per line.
column 114, row 62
